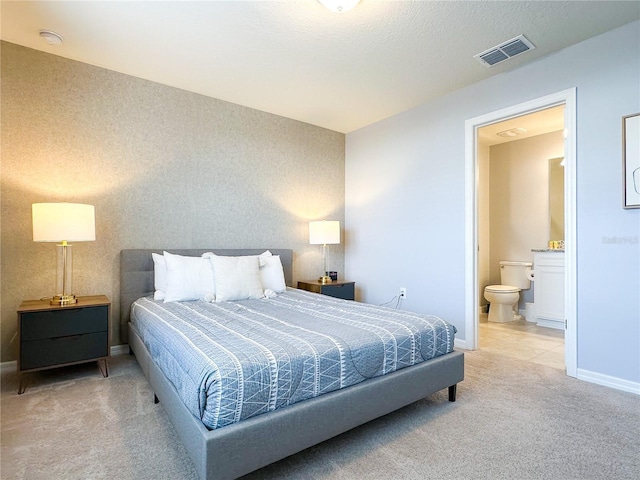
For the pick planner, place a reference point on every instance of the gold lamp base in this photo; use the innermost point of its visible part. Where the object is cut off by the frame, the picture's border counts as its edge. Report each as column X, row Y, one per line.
column 63, row 300
column 325, row 279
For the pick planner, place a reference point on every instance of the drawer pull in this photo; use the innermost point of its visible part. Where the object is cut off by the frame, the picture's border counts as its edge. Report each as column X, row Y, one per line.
column 70, row 337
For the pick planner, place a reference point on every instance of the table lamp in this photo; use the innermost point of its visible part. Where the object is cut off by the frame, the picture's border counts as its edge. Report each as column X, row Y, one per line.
column 324, row 232
column 63, row 222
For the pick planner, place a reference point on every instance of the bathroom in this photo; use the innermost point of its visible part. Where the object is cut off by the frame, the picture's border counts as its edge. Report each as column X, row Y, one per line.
column 519, row 164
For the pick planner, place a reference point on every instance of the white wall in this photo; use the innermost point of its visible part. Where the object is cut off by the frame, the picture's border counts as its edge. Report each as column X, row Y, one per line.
column 405, row 197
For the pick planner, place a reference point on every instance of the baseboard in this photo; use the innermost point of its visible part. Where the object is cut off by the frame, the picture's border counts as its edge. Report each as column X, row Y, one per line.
column 556, row 324
column 12, row 366
column 608, row 381
column 120, row 349
column 459, row 343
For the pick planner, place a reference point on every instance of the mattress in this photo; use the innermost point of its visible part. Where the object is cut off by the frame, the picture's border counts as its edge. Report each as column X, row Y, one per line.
column 234, row 360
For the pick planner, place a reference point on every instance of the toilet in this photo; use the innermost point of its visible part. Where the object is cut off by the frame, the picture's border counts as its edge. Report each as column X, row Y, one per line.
column 514, row 276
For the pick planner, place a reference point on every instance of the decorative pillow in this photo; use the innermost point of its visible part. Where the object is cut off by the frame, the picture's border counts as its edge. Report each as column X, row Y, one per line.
column 188, row 278
column 159, row 276
column 237, row 278
column 272, row 274
column 264, row 255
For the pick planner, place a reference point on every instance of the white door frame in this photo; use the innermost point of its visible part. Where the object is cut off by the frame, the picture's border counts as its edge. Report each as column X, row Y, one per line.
column 568, row 99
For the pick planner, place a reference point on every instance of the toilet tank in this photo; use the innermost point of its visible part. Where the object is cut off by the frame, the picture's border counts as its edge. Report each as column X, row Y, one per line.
column 515, row 274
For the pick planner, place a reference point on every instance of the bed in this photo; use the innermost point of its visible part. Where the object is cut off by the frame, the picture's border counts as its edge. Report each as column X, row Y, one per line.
column 232, row 449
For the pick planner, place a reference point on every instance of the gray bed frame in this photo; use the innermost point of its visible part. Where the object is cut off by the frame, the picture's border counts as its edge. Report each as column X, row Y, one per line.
column 241, row 448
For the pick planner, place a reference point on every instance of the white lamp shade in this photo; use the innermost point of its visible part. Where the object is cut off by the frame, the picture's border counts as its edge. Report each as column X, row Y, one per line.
column 59, row 222
column 324, row 232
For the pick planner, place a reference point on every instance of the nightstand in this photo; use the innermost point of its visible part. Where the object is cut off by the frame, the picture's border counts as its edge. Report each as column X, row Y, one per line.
column 53, row 336
column 338, row 289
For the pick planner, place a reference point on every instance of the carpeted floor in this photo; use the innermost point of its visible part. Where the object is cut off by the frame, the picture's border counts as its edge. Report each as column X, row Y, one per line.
column 512, row 420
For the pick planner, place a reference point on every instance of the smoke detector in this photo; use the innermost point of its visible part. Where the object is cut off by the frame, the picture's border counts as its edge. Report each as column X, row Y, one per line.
column 505, row 51
column 339, row 6
column 52, row 38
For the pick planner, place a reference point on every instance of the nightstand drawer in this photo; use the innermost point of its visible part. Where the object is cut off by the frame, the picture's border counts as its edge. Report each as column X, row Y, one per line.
column 63, row 322
column 56, row 351
column 345, row 291
column 338, row 289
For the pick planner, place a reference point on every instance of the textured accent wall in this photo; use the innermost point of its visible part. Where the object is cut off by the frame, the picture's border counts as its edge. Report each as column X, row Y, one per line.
column 165, row 168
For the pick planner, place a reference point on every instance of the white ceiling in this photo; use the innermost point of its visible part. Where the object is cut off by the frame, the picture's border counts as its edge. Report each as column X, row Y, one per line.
column 299, row 60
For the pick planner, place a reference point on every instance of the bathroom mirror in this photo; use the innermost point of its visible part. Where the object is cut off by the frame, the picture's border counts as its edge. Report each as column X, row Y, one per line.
column 556, row 199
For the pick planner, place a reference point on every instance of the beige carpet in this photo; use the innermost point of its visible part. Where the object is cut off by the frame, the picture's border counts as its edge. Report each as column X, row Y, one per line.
column 512, row 420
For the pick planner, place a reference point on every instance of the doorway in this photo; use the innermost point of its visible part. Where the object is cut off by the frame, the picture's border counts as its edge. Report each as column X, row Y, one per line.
column 521, row 208
column 565, row 98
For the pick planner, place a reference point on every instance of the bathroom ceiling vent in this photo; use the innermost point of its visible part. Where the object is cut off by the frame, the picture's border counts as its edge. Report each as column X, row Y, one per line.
column 505, row 51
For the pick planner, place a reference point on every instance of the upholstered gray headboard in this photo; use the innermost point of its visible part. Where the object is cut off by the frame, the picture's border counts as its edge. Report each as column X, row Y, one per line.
column 136, row 270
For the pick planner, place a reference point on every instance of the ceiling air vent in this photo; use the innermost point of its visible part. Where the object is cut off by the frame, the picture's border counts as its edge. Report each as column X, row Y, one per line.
column 505, row 50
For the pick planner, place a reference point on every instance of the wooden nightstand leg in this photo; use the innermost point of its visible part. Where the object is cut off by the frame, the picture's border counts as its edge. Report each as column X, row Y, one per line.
column 23, row 386
column 104, row 371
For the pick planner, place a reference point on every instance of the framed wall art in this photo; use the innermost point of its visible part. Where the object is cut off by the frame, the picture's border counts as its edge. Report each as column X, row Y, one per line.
column 631, row 160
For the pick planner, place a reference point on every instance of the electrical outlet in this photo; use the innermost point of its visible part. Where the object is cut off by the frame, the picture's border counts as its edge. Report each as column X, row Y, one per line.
column 403, row 292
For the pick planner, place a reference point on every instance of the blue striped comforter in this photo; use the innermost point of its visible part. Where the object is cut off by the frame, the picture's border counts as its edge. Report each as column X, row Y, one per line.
column 235, row 360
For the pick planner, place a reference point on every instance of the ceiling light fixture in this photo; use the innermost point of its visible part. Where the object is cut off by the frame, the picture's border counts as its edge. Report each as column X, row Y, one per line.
column 52, row 38
column 339, row 6
column 513, row 132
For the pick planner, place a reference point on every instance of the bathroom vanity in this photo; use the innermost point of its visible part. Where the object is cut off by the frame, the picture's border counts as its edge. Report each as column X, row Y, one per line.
column 548, row 285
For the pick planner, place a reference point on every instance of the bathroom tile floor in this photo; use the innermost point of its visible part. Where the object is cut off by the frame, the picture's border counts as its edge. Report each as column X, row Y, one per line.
column 523, row 340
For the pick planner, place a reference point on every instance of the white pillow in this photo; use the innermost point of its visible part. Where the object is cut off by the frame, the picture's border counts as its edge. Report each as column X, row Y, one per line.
column 272, row 274
column 188, row 278
column 264, row 255
column 159, row 276
column 237, row 278
column 261, row 257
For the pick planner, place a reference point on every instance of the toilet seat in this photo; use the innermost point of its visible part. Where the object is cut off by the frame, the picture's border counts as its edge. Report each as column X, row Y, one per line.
column 502, row 289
